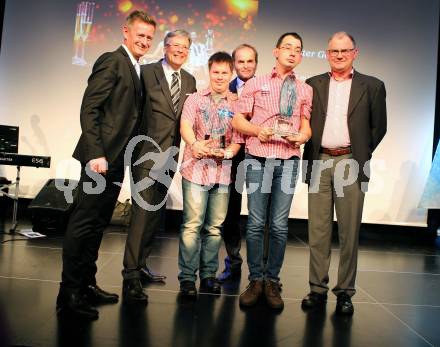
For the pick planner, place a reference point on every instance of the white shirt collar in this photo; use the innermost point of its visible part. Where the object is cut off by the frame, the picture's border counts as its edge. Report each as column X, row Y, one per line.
column 167, row 69
column 240, row 83
column 132, row 59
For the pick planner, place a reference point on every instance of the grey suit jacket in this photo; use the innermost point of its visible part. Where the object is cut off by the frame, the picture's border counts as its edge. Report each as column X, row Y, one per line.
column 162, row 123
column 367, row 119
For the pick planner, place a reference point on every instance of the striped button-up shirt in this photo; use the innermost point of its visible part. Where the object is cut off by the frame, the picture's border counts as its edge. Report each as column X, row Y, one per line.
column 261, row 99
column 209, row 118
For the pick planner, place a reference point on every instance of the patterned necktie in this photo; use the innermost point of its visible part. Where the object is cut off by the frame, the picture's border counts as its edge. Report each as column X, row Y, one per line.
column 288, row 97
column 175, row 91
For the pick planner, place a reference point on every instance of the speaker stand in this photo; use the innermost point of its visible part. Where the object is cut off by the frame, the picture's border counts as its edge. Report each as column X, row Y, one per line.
column 14, row 197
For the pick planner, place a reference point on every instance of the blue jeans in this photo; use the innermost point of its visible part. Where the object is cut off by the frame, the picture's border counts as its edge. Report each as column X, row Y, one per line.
column 204, row 210
column 274, row 178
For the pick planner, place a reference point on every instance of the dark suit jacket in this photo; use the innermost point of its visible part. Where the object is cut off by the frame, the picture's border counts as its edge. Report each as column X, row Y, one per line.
column 233, row 86
column 367, row 118
column 111, row 109
column 163, row 124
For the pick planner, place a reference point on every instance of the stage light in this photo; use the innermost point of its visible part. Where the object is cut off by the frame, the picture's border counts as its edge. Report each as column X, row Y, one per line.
column 243, row 8
column 174, row 19
column 125, row 6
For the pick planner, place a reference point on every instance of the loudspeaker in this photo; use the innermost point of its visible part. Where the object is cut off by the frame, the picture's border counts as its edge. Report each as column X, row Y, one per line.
column 50, row 210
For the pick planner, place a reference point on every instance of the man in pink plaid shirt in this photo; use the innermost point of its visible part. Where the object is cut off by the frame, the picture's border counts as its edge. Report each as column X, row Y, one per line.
column 210, row 143
column 274, row 112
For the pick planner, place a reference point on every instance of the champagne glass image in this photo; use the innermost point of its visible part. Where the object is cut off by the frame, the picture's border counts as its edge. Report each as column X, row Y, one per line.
column 209, row 44
column 83, row 26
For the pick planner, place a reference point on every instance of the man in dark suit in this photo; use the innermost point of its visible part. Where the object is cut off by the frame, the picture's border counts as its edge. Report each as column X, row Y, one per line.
column 111, row 114
column 245, row 64
column 348, row 122
column 167, row 86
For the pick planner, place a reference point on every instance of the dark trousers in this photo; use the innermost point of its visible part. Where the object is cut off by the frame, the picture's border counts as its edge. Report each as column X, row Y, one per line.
column 231, row 226
column 144, row 224
column 90, row 216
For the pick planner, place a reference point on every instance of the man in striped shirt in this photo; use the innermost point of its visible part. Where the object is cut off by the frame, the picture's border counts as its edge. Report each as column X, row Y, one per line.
column 206, row 176
column 272, row 162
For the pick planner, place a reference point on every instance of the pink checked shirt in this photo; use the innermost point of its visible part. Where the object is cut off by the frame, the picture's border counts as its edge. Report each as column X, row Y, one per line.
column 206, row 117
column 261, row 99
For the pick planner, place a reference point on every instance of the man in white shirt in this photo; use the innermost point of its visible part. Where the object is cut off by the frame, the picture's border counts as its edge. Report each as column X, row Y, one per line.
column 348, row 122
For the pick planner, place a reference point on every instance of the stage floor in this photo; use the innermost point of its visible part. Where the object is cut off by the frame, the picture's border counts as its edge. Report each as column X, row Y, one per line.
column 397, row 301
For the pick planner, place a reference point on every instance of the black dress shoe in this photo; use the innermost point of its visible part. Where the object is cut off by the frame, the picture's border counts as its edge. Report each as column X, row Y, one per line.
column 150, row 276
column 210, row 285
column 314, row 300
column 132, row 291
column 95, row 295
column 74, row 304
column 344, row 306
column 188, row 289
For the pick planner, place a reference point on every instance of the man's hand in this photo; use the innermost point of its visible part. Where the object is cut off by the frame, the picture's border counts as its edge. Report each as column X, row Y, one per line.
column 297, row 140
column 201, row 149
column 217, row 153
column 99, row 165
column 265, row 134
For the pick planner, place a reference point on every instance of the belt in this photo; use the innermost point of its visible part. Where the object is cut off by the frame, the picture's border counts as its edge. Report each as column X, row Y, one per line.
column 263, row 160
column 335, row 152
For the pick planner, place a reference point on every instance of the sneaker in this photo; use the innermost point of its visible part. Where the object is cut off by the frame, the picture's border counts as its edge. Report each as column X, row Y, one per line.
column 188, row 289
column 252, row 293
column 210, row 285
column 272, row 293
column 229, row 274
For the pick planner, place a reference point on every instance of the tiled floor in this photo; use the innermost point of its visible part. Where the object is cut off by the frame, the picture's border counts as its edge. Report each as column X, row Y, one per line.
column 397, row 302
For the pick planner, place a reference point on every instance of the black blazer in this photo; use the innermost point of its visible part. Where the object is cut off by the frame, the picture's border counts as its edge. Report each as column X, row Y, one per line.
column 233, row 86
column 162, row 123
column 367, row 118
column 111, row 109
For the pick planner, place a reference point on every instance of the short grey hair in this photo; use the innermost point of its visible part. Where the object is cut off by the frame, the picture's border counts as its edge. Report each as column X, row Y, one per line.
column 340, row 34
column 175, row 33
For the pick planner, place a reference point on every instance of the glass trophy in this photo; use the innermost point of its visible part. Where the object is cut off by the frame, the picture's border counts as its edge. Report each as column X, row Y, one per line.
column 218, row 143
column 284, row 127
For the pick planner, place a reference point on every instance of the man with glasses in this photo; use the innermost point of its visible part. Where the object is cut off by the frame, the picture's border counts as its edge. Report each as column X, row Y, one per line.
column 167, row 86
column 272, row 162
column 348, row 122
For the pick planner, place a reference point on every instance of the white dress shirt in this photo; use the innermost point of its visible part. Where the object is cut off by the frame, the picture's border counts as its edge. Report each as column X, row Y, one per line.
column 336, row 123
column 168, row 71
column 135, row 63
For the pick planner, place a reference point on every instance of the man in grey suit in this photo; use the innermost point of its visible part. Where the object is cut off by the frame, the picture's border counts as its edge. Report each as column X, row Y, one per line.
column 348, row 122
column 167, row 86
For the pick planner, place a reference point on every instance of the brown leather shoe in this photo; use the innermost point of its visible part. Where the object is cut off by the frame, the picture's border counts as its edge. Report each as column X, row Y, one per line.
column 272, row 293
column 252, row 293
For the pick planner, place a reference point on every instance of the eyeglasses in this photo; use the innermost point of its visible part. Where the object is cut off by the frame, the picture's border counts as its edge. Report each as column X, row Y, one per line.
column 176, row 46
column 291, row 48
column 344, row 52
